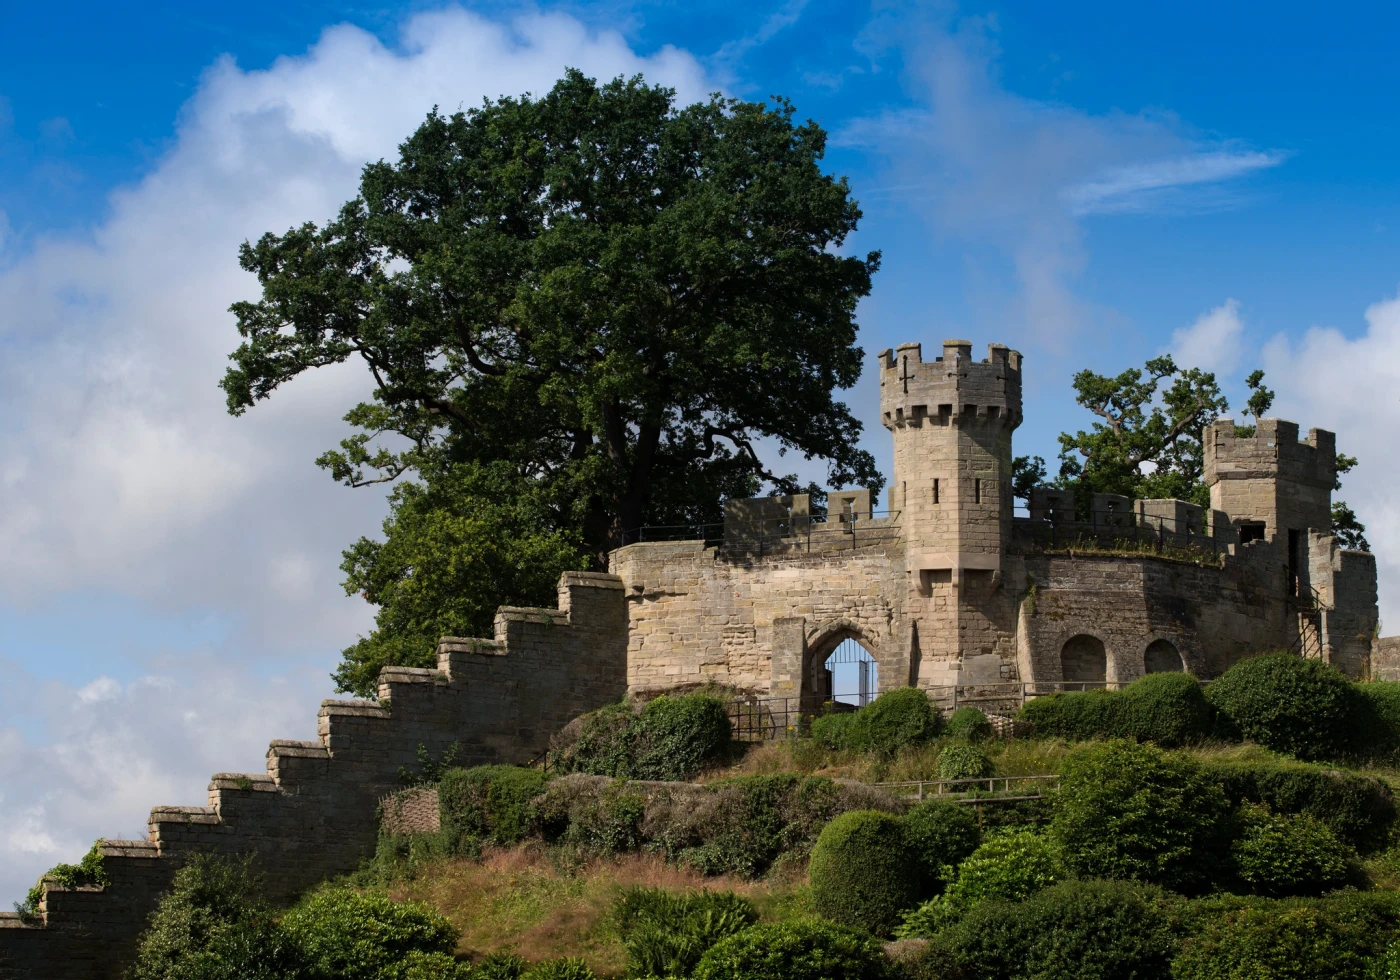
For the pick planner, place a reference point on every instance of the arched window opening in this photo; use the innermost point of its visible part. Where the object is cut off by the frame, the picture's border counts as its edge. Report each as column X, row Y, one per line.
column 852, row 676
column 1162, row 657
column 1083, row 661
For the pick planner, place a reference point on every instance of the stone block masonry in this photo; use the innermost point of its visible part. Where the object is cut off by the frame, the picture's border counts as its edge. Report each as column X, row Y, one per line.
column 313, row 814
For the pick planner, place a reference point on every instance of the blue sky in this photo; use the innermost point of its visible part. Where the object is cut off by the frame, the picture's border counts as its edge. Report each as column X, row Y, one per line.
column 1093, row 183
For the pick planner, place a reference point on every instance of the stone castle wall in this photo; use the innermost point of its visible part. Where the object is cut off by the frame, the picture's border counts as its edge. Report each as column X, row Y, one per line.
column 313, row 813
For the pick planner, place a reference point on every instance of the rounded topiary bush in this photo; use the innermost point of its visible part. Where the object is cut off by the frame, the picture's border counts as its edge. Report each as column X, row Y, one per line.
column 838, row 730
column 1168, row 709
column 958, row 760
column 677, row 736
column 1287, row 942
column 969, row 724
column 795, row 951
column 1288, row 854
column 350, row 936
column 1302, row 707
column 1134, row 812
column 897, row 719
column 1078, row 930
column 943, row 835
column 1075, row 716
column 863, row 872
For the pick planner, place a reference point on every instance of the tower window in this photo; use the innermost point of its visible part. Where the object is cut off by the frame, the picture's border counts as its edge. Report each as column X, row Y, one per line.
column 904, row 494
column 935, row 490
column 976, row 491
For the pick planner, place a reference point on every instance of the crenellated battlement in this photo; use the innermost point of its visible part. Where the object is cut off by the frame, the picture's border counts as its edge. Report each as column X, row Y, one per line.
column 952, row 389
column 1272, row 451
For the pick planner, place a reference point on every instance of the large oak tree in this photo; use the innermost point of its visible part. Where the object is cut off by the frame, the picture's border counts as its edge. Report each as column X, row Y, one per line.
column 595, row 302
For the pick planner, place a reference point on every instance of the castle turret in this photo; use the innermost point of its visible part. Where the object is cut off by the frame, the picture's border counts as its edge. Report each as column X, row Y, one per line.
column 952, row 420
column 1269, row 483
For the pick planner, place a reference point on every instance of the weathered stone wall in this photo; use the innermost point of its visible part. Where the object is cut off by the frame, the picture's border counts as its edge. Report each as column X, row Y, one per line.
column 312, row 815
column 1385, row 659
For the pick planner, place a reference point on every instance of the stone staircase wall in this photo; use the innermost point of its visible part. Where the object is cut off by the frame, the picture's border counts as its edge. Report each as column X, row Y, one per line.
column 313, row 814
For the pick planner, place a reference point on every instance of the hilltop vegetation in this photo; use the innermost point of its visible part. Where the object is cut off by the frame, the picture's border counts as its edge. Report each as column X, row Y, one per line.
column 1173, row 847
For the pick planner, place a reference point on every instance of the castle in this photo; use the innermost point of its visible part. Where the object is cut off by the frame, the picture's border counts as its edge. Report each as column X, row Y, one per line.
column 948, row 590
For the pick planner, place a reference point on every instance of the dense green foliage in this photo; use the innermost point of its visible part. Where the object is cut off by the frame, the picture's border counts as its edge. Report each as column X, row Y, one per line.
column 837, row 730
column 213, row 925
column 1287, row 703
column 1134, row 812
column 895, row 720
column 666, row 933
column 88, row 871
column 863, row 872
column 1009, row 866
column 943, row 835
column 1359, row 809
column 564, row 968
column 671, row 738
column 1287, row 855
column 345, row 935
column 487, row 804
column 1079, row 930
column 1168, row 709
column 969, row 724
column 795, row 951
column 958, row 760
column 1381, row 715
column 1285, row 942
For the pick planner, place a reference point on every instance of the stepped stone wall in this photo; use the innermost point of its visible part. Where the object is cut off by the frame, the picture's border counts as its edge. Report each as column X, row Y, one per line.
column 313, row 813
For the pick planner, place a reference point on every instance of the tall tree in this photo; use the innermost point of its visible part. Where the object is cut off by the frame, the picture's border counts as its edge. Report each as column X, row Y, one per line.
column 1148, row 442
column 603, row 300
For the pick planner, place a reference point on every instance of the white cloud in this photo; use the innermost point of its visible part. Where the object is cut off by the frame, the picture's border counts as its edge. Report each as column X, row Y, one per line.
column 1214, row 342
column 122, row 473
column 1140, row 187
column 1351, row 385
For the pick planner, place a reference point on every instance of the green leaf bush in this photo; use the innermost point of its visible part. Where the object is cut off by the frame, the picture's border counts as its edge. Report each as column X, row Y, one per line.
column 1008, row 867
column 898, row 719
column 670, row 738
column 563, row 968
column 1279, row 942
column 1168, row 709
column 802, row 950
column 969, row 724
column 1360, row 809
column 89, row 871
column 1077, row 930
column 943, row 835
column 488, row 804
column 863, row 872
column 345, row 935
column 1133, row 812
column 1279, row 855
column 666, row 933
column 838, row 730
column 958, row 760
column 1299, row 707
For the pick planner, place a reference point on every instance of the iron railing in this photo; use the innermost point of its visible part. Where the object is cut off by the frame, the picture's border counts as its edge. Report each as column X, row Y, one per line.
column 970, row 790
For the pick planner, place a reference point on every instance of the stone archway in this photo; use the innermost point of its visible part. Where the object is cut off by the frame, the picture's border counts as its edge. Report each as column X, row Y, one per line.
column 1162, row 657
column 1083, row 660
column 839, row 641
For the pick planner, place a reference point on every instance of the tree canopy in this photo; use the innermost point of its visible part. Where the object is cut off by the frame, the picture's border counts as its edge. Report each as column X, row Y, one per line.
column 594, row 304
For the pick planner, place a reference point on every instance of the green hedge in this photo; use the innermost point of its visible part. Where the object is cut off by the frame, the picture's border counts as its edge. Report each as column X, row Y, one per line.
column 897, row 719
column 969, row 724
column 796, row 951
column 943, row 835
column 1078, row 930
column 1168, row 709
column 863, row 871
column 1284, row 942
column 1134, row 812
column 487, row 804
column 1359, row 809
column 345, row 935
column 1008, row 867
column 958, row 760
column 1280, row 855
column 670, row 738
column 1301, row 707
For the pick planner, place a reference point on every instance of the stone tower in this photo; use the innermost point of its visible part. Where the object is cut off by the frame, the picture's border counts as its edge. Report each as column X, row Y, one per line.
column 952, row 419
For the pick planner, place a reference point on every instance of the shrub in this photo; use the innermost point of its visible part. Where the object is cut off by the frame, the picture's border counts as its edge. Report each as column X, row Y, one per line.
column 419, row 965
column 863, row 871
column 499, row 966
column 1008, row 867
column 88, row 871
column 1302, row 707
column 959, row 761
column 1379, row 735
column 1135, row 812
column 897, row 719
column 671, row 738
column 1359, row 809
column 213, row 925
column 1285, row 942
column 1078, row 930
column 839, row 730
column 590, row 817
column 349, row 936
column 1288, row 855
column 564, row 968
column 943, row 835
column 969, row 724
column 490, row 804
column 795, row 951
column 1168, row 709
column 665, row 933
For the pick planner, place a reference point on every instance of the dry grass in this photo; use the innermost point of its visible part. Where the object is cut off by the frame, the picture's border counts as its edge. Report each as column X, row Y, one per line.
column 523, row 900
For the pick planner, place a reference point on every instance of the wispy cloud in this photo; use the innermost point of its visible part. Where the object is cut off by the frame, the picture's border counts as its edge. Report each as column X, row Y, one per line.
column 1140, row 187
column 730, row 53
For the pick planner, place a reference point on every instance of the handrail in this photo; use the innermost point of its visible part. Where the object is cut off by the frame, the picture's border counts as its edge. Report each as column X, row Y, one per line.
column 943, row 788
